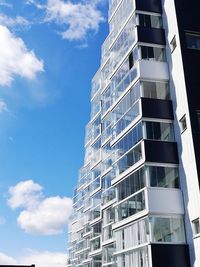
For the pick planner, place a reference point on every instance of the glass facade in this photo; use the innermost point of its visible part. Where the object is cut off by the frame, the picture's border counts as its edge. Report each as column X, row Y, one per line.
column 113, row 223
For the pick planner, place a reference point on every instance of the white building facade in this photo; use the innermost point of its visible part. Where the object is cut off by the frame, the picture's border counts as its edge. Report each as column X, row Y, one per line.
column 137, row 201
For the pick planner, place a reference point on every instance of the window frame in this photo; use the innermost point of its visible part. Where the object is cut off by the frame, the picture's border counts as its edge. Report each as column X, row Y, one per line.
column 183, row 123
column 173, row 44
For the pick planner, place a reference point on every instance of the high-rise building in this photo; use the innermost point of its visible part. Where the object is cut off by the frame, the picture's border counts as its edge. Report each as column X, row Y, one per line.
column 137, row 201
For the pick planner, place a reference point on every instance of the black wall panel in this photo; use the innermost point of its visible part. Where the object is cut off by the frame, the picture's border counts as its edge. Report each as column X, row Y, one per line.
column 162, row 152
column 170, row 255
column 156, row 108
column 150, row 5
column 151, row 35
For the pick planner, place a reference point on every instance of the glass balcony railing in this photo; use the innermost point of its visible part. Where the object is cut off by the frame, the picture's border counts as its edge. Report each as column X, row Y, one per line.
column 119, row 18
column 131, row 206
column 108, row 195
column 96, row 83
column 126, row 119
column 107, row 233
column 112, row 6
column 127, row 161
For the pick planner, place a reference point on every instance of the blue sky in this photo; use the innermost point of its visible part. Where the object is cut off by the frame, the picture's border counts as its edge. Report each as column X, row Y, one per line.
column 49, row 52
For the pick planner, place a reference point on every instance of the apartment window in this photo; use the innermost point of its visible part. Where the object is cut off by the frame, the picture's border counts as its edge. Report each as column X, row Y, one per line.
column 97, row 261
column 152, row 53
column 196, row 225
column 163, row 177
column 108, row 253
column 129, row 140
column 131, row 184
column 159, row 131
column 193, row 40
column 107, row 232
column 150, row 21
column 131, row 206
column 170, row 230
column 106, row 181
column 157, row 90
column 108, row 216
column 128, row 160
column 183, row 124
column 95, row 244
column 173, row 43
column 131, row 60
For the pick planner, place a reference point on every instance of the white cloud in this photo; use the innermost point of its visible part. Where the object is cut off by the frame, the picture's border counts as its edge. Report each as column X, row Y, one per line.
column 75, row 19
column 45, row 259
column 26, row 194
column 3, row 106
column 12, row 22
column 48, row 218
column 35, row 3
column 16, row 59
column 39, row 215
column 39, row 258
column 5, row 259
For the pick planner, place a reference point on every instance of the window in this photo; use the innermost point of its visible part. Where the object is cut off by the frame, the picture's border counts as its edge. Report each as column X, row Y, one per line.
column 128, row 160
column 131, row 60
column 128, row 141
column 107, row 232
column 150, row 21
column 196, row 226
column 157, row 90
column 131, row 206
column 153, row 53
column 108, row 253
column 108, row 216
column 131, row 184
column 170, row 230
column 159, row 131
column 193, row 40
column 163, row 177
column 173, row 43
column 183, row 124
column 132, row 235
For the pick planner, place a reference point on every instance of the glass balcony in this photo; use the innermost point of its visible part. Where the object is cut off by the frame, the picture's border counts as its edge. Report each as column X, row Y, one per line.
column 128, row 141
column 96, row 84
column 96, row 229
column 156, row 90
column 130, row 206
column 112, row 6
column 121, row 15
column 108, row 254
column 128, row 160
column 126, row 81
column 107, row 233
column 166, row 177
column 96, row 243
column 133, row 183
column 161, row 131
column 95, row 105
column 126, row 119
column 95, row 213
column 95, row 128
column 126, row 39
column 105, row 52
column 167, row 230
column 108, row 195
